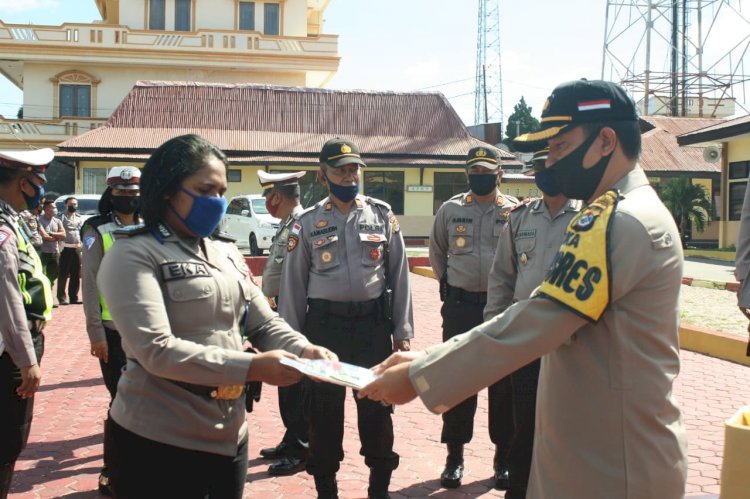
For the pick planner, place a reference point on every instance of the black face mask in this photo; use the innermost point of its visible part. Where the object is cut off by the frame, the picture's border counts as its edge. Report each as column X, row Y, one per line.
column 482, row 183
column 72, row 209
column 125, row 204
column 546, row 181
column 575, row 181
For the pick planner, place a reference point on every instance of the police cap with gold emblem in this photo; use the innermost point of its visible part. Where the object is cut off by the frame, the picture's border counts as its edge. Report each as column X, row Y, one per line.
column 576, row 102
column 339, row 152
column 34, row 161
column 482, row 156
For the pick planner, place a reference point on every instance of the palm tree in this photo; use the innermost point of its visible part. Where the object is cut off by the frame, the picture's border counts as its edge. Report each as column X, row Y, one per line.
column 688, row 203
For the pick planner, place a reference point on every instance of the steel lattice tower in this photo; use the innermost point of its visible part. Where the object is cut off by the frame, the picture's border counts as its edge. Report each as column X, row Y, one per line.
column 679, row 57
column 488, row 97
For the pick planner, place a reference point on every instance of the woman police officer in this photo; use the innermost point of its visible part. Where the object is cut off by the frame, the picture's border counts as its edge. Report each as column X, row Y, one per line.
column 181, row 301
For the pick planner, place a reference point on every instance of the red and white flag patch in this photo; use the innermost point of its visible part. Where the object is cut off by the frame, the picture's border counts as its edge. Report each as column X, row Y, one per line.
column 5, row 234
column 594, row 104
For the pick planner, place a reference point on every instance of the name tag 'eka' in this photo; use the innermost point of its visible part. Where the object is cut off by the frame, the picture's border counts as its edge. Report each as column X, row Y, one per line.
column 172, row 271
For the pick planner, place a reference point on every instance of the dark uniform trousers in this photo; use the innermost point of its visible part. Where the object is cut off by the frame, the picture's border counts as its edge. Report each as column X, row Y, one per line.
column 70, row 274
column 524, row 382
column 50, row 265
column 359, row 335
column 461, row 312
column 112, row 369
column 292, row 415
column 15, row 412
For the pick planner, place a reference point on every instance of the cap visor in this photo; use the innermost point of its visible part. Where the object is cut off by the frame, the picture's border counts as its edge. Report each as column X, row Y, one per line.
column 532, row 142
column 339, row 162
column 490, row 166
column 126, row 187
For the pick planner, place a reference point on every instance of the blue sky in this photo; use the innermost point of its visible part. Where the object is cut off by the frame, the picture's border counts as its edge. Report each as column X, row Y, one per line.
column 420, row 45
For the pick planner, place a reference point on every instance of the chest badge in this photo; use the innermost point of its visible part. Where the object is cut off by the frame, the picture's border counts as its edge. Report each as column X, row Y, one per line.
column 326, row 256
column 321, row 223
column 524, row 258
column 461, row 229
column 374, row 254
column 460, row 242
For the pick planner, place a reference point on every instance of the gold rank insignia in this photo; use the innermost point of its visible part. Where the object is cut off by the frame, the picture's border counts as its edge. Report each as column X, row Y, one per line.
column 292, row 243
column 228, row 392
column 345, row 149
column 320, row 224
column 328, row 206
column 461, row 229
column 469, row 199
column 359, row 203
column 326, row 256
column 481, row 153
column 524, row 259
column 319, row 242
column 460, row 242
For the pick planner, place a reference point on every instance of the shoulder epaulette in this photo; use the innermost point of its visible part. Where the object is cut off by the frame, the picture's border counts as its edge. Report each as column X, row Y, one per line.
column 523, row 204
column 132, row 230
column 307, row 210
column 376, row 201
column 460, row 195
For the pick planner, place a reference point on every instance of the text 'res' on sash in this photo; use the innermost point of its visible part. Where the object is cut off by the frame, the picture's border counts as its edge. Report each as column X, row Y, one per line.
column 578, row 278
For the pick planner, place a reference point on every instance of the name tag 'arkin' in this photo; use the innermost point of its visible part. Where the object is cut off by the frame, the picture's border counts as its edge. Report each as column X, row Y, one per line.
column 173, row 271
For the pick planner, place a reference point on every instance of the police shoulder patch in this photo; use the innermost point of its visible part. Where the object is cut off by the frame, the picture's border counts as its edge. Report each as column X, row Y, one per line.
column 292, row 243
column 88, row 242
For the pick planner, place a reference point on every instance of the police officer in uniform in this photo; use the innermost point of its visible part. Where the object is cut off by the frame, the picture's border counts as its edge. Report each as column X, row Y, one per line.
column 462, row 244
column 345, row 285
column 25, row 303
column 528, row 243
column 605, row 319
column 31, row 219
column 282, row 195
column 118, row 208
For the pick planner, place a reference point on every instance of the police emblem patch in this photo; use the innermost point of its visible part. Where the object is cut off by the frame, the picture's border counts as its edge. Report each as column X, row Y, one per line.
column 88, row 242
column 326, row 256
column 293, row 240
column 461, row 229
column 584, row 221
column 460, row 242
column 374, row 254
column 321, row 223
column 346, row 149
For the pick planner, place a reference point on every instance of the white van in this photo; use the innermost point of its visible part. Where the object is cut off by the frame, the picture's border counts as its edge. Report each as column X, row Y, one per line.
column 248, row 221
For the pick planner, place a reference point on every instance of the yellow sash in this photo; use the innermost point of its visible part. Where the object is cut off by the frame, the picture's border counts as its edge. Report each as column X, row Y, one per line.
column 579, row 276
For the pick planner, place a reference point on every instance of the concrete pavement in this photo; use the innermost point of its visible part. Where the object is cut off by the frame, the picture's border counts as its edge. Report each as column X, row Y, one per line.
column 63, row 457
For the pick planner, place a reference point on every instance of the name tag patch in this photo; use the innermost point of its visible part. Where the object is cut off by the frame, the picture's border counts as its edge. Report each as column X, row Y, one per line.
column 173, row 271
column 320, row 232
column 526, row 234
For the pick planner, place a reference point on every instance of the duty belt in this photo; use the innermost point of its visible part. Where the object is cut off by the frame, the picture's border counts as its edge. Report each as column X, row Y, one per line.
column 345, row 308
column 478, row 297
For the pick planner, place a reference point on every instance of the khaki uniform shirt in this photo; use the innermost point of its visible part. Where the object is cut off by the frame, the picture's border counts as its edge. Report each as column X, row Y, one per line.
column 607, row 423
column 464, row 238
column 32, row 226
column 15, row 337
column 340, row 257
column 527, row 245
column 742, row 261
column 72, row 224
column 180, row 312
column 272, row 271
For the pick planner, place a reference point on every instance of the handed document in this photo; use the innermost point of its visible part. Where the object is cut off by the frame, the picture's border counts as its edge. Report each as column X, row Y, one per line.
column 339, row 373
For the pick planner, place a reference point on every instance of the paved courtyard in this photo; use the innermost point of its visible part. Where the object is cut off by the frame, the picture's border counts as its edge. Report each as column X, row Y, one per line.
column 64, row 454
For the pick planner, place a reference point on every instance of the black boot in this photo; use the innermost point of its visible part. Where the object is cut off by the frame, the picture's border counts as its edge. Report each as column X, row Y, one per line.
column 380, row 478
column 326, row 486
column 454, row 467
column 6, row 475
column 104, row 487
column 502, row 480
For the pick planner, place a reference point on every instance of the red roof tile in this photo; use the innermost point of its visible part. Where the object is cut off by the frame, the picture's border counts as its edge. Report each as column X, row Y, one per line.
column 661, row 153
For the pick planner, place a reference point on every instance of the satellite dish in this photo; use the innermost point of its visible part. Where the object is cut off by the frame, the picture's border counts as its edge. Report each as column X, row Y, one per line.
column 711, row 154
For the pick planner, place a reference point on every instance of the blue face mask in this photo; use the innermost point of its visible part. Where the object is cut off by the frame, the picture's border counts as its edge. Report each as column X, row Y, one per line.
column 482, row 183
column 204, row 215
column 546, row 180
column 33, row 201
column 343, row 193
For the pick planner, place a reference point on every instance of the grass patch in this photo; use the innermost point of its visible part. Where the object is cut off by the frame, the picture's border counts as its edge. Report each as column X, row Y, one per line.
column 727, row 254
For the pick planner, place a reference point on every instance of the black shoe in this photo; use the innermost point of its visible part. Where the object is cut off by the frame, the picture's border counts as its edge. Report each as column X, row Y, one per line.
column 75, row 301
column 380, row 479
column 63, row 301
column 502, row 481
column 454, row 467
column 326, row 486
column 278, row 452
column 287, row 466
column 104, row 487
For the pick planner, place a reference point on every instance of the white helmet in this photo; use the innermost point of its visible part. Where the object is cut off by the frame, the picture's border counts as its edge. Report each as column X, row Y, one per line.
column 124, row 177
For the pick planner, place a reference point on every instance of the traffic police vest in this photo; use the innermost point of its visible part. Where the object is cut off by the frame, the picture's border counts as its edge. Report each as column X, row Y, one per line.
column 105, row 226
column 35, row 288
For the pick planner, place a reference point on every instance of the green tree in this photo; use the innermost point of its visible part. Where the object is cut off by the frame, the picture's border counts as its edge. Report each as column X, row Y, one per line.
column 520, row 122
column 688, row 203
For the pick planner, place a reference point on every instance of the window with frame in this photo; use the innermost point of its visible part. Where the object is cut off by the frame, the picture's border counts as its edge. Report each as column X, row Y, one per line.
column 94, row 180
column 738, row 174
column 271, row 19
column 447, row 185
column 157, row 14
column 234, row 175
column 182, row 15
column 75, row 100
column 386, row 186
column 247, row 16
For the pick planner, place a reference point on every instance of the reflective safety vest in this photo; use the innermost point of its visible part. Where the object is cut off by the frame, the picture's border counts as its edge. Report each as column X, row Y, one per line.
column 108, row 239
column 36, row 289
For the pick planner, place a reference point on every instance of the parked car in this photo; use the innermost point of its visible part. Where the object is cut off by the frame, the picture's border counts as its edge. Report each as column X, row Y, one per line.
column 88, row 204
column 248, row 221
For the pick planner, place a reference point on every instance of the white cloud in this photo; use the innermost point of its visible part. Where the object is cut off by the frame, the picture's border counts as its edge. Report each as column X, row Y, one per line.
column 22, row 5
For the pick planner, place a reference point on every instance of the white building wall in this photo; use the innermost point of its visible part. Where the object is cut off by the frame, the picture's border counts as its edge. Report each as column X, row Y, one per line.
column 133, row 13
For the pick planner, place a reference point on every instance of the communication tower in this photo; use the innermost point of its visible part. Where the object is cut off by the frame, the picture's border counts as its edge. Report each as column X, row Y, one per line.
column 488, row 96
